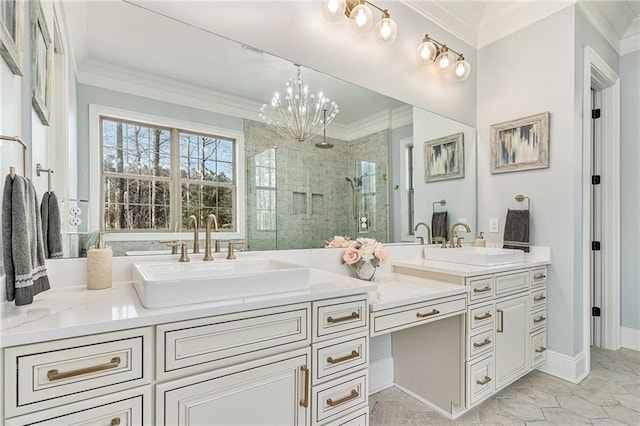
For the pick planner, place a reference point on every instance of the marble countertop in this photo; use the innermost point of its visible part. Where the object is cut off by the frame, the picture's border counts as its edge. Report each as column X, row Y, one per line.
column 539, row 256
column 70, row 311
column 398, row 289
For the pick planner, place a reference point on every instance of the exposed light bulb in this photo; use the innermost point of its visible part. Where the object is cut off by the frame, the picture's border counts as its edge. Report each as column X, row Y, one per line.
column 426, row 52
column 386, row 30
column 445, row 59
column 462, row 69
column 333, row 10
column 360, row 18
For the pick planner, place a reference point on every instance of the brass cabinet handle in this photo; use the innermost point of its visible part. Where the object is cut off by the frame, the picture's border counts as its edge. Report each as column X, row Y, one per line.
column 539, row 276
column 539, row 298
column 500, row 328
column 305, row 401
column 484, row 381
column 115, row 421
column 485, row 342
column 541, row 349
column 539, row 319
column 485, row 316
column 354, row 315
column 353, row 395
column 428, row 314
column 352, row 355
column 482, row 290
column 56, row 375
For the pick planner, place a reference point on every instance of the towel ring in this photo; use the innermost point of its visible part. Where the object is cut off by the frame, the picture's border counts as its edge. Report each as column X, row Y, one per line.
column 441, row 202
column 520, row 198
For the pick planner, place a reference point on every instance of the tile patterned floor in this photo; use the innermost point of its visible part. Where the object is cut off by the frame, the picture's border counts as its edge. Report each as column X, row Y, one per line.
column 609, row 396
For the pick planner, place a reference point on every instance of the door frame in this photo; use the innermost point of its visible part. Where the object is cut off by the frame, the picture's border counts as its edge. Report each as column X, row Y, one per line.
column 599, row 75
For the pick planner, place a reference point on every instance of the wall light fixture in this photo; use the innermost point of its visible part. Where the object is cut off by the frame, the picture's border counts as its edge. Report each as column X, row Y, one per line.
column 432, row 51
column 361, row 17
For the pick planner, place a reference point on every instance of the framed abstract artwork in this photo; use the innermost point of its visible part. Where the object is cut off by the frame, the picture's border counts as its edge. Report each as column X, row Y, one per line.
column 444, row 158
column 521, row 144
column 41, row 59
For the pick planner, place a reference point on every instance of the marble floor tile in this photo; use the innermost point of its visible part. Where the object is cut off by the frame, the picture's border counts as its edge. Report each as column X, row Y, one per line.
column 609, row 396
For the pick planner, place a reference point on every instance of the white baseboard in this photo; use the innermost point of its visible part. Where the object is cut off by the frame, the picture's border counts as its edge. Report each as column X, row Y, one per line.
column 630, row 338
column 380, row 375
column 573, row 369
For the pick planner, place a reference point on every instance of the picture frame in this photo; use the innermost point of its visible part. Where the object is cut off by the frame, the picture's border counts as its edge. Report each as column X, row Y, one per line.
column 444, row 158
column 41, row 60
column 11, row 25
column 521, row 144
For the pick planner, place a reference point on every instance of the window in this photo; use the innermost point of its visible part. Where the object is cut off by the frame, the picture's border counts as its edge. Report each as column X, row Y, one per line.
column 266, row 190
column 154, row 177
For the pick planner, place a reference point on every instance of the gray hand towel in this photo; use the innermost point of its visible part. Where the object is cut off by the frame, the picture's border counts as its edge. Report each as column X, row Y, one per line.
column 51, row 226
column 516, row 230
column 22, row 245
column 439, row 224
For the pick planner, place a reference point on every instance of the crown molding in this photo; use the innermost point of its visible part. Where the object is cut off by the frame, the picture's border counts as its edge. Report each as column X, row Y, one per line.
column 631, row 41
column 598, row 20
column 454, row 23
column 380, row 121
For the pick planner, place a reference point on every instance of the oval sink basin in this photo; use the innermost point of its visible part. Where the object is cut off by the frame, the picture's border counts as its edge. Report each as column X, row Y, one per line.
column 482, row 256
column 161, row 284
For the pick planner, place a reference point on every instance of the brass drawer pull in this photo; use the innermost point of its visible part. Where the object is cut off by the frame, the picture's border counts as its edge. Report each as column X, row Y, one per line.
column 482, row 290
column 539, row 276
column 485, row 316
column 354, row 315
column 541, row 349
column 305, row 402
column 500, row 328
column 55, row 375
column 484, row 381
column 539, row 319
column 353, row 395
column 428, row 314
column 115, row 421
column 354, row 354
column 485, row 342
column 539, row 298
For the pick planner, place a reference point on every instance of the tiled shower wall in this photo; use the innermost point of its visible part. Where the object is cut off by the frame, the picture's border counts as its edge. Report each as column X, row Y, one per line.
column 313, row 198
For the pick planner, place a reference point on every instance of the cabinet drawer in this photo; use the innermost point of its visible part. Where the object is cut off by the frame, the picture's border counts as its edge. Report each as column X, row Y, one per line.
column 338, row 397
column 512, row 281
column 481, row 343
column 481, row 288
column 64, row 371
column 480, row 376
column 538, row 276
column 357, row 418
column 338, row 317
column 208, row 343
column 339, row 356
column 537, row 319
column 538, row 348
column 127, row 408
column 538, row 298
column 389, row 320
column 480, row 316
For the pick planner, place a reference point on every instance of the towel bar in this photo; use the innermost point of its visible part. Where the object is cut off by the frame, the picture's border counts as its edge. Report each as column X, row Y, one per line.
column 49, row 172
column 441, row 202
column 12, row 170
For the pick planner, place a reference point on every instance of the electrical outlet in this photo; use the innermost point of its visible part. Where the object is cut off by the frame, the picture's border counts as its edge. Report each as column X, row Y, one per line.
column 74, row 221
column 494, row 225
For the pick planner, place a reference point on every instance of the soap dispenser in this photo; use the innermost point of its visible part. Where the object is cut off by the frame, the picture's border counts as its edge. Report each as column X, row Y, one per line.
column 480, row 241
column 99, row 265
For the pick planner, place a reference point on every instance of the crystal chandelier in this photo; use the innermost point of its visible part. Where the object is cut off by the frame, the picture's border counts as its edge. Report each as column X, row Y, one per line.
column 300, row 114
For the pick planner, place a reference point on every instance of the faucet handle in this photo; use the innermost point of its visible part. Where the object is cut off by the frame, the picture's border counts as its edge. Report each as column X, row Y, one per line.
column 441, row 240
column 230, row 254
column 173, row 244
column 183, row 255
column 458, row 241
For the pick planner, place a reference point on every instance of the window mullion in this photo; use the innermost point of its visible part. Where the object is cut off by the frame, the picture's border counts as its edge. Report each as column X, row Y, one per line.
column 176, row 196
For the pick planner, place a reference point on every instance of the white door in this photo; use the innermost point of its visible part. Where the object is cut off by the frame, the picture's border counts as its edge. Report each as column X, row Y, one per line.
column 276, row 393
column 511, row 340
column 596, row 222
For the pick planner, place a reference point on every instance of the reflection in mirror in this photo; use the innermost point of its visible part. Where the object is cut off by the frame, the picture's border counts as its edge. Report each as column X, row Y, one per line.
column 294, row 195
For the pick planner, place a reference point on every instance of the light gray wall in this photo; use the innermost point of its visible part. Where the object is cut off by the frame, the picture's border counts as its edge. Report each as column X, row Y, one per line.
column 630, row 189
column 95, row 95
column 526, row 73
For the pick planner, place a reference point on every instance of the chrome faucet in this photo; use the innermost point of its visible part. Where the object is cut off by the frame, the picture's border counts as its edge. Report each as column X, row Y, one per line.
column 196, row 236
column 207, row 237
column 455, row 242
column 428, row 232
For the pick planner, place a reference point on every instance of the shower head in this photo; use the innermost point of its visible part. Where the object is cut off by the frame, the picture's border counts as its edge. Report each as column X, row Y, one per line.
column 348, row 179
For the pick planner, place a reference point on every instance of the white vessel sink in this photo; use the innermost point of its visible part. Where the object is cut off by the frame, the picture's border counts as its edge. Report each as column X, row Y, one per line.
column 160, row 284
column 482, row 256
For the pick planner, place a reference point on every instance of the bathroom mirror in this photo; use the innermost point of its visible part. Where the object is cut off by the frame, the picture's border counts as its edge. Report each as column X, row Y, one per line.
column 296, row 194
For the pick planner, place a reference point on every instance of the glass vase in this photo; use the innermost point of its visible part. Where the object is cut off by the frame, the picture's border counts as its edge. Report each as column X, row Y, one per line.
column 366, row 272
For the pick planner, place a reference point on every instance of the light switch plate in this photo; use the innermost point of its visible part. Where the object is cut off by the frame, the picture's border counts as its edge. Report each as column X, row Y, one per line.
column 493, row 225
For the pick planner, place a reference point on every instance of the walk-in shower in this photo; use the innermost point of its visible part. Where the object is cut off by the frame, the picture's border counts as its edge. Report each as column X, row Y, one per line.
column 356, row 186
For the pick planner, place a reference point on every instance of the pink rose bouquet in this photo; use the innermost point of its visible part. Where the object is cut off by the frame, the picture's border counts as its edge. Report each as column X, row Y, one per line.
column 363, row 254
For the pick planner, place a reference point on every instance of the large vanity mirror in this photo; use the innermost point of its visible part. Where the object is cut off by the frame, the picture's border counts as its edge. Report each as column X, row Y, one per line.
column 371, row 183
